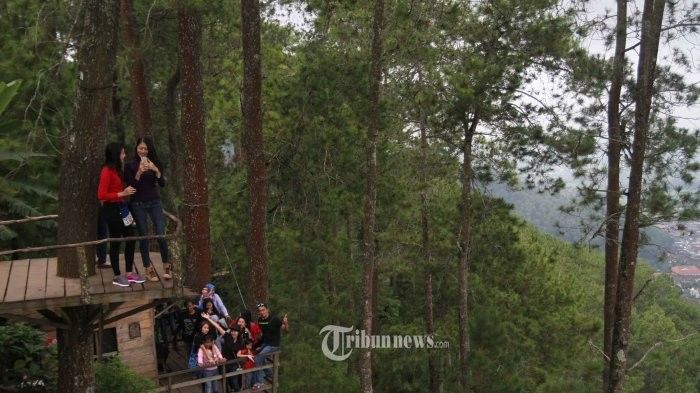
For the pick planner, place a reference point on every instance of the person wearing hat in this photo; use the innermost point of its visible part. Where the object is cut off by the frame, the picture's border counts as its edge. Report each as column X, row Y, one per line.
column 209, row 292
column 272, row 327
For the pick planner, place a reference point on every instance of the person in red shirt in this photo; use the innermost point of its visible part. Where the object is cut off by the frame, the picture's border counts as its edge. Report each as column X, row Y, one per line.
column 249, row 354
column 111, row 193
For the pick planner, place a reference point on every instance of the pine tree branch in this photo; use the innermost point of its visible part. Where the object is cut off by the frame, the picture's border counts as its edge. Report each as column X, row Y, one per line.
column 642, row 288
column 658, row 344
column 590, row 342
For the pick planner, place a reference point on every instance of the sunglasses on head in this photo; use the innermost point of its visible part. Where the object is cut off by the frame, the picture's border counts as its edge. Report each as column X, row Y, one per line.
column 261, row 305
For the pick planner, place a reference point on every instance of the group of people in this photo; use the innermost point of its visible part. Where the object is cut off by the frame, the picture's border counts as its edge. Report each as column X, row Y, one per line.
column 213, row 338
column 129, row 195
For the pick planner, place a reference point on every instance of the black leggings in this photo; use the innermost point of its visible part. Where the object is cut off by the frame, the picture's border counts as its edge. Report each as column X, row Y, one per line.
column 113, row 216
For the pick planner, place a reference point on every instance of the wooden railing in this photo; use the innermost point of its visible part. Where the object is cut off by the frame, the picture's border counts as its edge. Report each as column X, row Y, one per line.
column 167, row 384
column 174, row 235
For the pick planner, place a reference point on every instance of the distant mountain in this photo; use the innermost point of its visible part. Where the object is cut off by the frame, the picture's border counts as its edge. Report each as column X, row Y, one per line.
column 667, row 244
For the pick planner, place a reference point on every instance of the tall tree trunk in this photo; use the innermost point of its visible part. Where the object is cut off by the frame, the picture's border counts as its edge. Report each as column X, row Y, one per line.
column 117, row 111
column 83, row 145
column 433, row 373
column 464, row 250
column 196, row 203
column 652, row 18
column 82, row 153
column 139, row 92
column 255, row 147
column 370, row 198
column 612, row 217
column 174, row 137
column 75, row 352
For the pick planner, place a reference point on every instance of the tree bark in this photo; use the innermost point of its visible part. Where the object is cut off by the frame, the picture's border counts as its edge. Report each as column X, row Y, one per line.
column 83, row 144
column 464, row 250
column 196, row 202
column 433, row 373
column 254, row 145
column 139, row 91
column 174, row 136
column 370, row 197
column 75, row 352
column 651, row 32
column 117, row 111
column 612, row 216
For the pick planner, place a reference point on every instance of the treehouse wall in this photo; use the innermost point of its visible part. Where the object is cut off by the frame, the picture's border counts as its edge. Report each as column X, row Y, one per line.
column 139, row 353
column 136, row 348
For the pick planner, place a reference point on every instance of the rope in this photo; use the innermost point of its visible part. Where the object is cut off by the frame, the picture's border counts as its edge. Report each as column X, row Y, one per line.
column 233, row 273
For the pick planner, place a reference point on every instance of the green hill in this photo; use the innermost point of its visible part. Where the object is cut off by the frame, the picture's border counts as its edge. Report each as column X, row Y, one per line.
column 536, row 312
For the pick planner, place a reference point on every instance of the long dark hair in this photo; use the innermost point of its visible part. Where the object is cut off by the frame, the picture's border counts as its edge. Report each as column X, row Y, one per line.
column 113, row 159
column 152, row 154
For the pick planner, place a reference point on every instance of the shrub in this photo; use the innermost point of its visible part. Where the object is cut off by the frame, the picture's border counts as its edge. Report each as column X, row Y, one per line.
column 26, row 362
column 113, row 376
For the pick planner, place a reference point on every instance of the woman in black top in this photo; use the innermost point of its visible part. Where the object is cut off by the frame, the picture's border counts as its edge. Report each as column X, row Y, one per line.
column 145, row 174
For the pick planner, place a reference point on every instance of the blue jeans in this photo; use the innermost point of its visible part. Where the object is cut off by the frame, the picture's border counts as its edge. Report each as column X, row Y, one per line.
column 153, row 209
column 210, row 386
column 260, row 361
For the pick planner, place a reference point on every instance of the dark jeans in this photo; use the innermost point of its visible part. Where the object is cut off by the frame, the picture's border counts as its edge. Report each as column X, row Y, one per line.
column 102, row 233
column 210, row 386
column 234, row 382
column 116, row 228
column 155, row 210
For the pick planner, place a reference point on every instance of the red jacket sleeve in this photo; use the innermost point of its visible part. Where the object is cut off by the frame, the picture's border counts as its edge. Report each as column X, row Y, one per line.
column 103, row 190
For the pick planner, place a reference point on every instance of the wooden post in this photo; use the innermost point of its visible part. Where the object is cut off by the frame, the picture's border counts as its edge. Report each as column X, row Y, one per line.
column 223, row 378
column 84, row 274
column 275, row 369
column 176, row 266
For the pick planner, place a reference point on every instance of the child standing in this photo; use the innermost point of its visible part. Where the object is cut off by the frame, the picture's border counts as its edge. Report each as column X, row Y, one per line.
column 210, row 357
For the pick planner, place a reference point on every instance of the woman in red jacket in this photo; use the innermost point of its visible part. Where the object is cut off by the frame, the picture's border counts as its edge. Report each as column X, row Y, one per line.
column 111, row 193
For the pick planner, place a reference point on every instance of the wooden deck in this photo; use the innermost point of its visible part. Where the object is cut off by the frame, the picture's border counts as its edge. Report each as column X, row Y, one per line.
column 32, row 284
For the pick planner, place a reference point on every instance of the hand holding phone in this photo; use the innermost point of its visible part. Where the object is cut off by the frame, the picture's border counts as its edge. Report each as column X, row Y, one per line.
column 145, row 164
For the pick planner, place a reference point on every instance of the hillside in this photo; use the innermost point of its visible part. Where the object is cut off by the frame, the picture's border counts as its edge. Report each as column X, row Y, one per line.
column 535, row 324
column 665, row 246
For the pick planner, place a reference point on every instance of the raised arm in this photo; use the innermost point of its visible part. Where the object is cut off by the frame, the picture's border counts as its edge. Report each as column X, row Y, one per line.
column 216, row 324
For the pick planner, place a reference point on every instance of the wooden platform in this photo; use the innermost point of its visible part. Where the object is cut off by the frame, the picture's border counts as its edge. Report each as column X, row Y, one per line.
column 32, row 284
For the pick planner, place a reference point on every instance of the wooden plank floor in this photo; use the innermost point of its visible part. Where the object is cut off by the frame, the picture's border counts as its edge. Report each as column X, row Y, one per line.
column 33, row 284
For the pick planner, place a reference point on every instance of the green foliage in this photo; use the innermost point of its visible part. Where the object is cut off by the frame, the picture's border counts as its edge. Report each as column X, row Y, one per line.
column 26, row 362
column 535, row 301
column 15, row 188
column 113, row 376
column 7, row 91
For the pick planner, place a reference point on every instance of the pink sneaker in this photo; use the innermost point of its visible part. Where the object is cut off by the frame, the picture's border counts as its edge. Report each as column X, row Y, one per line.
column 135, row 278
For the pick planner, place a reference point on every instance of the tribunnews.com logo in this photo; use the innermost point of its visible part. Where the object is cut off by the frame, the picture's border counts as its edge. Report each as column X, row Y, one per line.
column 339, row 341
